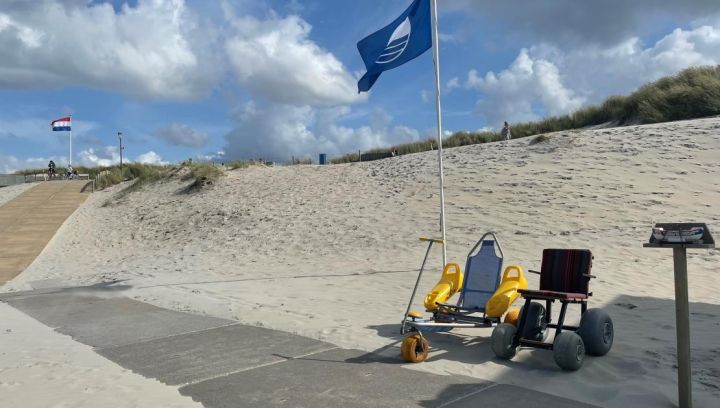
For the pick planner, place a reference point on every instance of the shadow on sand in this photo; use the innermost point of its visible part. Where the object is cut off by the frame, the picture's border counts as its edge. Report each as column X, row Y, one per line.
column 101, row 289
column 643, row 355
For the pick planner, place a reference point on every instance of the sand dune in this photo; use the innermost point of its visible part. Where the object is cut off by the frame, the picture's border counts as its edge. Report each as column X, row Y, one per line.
column 332, row 253
column 10, row 192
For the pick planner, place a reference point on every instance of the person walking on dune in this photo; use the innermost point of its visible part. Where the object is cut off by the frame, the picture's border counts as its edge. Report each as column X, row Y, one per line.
column 505, row 132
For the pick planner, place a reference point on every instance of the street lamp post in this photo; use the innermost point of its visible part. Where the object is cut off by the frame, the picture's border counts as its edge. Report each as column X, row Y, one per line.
column 121, row 150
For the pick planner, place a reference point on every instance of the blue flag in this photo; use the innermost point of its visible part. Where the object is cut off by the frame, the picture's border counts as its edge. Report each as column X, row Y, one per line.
column 406, row 38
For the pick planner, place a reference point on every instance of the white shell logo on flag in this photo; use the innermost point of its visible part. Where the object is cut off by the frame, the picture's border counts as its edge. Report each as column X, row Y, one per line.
column 397, row 44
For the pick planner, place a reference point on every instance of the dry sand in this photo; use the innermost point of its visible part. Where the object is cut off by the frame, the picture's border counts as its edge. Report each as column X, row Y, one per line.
column 42, row 368
column 332, row 253
column 10, row 192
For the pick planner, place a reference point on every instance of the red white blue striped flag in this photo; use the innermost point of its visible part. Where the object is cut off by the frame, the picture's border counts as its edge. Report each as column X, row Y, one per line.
column 61, row 125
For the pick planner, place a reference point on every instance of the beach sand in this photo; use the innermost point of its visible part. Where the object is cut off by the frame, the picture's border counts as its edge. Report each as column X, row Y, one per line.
column 10, row 192
column 332, row 252
column 42, row 368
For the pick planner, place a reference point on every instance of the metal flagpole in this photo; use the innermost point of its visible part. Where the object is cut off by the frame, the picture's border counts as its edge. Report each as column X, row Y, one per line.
column 70, row 158
column 436, row 59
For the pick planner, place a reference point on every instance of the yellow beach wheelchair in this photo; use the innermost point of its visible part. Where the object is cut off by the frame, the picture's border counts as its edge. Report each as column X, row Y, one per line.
column 485, row 296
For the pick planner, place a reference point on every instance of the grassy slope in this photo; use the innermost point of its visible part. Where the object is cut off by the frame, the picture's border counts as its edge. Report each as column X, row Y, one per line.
column 693, row 93
column 200, row 174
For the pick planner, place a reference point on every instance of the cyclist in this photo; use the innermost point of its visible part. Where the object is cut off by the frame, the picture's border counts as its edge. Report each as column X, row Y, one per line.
column 51, row 169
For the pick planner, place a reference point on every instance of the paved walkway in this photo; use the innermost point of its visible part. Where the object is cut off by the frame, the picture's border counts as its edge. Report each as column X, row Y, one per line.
column 221, row 363
column 30, row 220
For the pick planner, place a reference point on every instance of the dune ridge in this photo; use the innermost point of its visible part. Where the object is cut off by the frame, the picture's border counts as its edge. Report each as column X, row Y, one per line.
column 331, row 252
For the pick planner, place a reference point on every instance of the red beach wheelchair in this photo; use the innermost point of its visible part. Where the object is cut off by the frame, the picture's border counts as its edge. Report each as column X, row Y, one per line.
column 564, row 277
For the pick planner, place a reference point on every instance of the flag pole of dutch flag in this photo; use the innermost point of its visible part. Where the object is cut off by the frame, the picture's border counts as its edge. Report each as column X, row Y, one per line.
column 62, row 124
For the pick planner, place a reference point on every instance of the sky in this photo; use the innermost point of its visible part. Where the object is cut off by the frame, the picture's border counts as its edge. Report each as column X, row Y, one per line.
column 238, row 79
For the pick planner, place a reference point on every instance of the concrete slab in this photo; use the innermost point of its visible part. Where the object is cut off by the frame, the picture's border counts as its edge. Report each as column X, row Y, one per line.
column 211, row 353
column 108, row 322
column 226, row 364
column 336, row 378
column 511, row 396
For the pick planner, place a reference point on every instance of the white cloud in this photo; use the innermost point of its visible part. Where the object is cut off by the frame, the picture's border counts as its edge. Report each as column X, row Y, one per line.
column 598, row 72
column 513, row 93
column 10, row 163
column 94, row 157
column 38, row 129
column 182, row 135
column 453, row 83
column 163, row 49
column 33, row 134
column 277, row 132
column 274, row 59
column 294, row 7
column 151, row 158
column 604, row 23
column 110, row 155
column 544, row 80
column 211, row 157
column 31, row 129
column 447, row 38
column 300, row 94
column 156, row 49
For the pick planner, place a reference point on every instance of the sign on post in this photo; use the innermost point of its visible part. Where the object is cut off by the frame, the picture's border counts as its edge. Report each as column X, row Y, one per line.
column 680, row 237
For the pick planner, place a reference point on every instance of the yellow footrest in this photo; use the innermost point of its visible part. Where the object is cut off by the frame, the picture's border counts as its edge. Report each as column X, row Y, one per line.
column 437, row 241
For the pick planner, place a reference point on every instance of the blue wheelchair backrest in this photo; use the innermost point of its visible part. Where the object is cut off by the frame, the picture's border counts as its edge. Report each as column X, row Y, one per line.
column 482, row 277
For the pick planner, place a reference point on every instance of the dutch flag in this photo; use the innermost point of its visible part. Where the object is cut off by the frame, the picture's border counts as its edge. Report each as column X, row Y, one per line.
column 61, row 125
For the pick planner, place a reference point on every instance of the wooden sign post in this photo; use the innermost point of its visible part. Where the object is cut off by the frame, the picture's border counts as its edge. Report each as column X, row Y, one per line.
column 682, row 304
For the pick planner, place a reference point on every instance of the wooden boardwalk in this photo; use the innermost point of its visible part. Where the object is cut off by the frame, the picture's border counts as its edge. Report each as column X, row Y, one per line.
column 30, row 220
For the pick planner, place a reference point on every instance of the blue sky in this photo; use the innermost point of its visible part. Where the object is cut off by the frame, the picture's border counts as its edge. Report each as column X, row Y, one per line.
column 227, row 80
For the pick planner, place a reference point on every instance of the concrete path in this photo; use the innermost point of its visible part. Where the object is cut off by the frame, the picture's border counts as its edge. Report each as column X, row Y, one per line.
column 31, row 219
column 221, row 363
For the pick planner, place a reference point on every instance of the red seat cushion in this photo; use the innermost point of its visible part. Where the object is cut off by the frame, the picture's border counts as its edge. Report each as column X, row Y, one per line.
column 548, row 294
column 566, row 270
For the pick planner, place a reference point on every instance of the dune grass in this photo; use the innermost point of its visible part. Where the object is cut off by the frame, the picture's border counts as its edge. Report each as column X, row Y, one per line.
column 693, row 93
column 202, row 174
column 540, row 139
column 142, row 174
column 297, row 162
column 241, row 164
column 92, row 171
